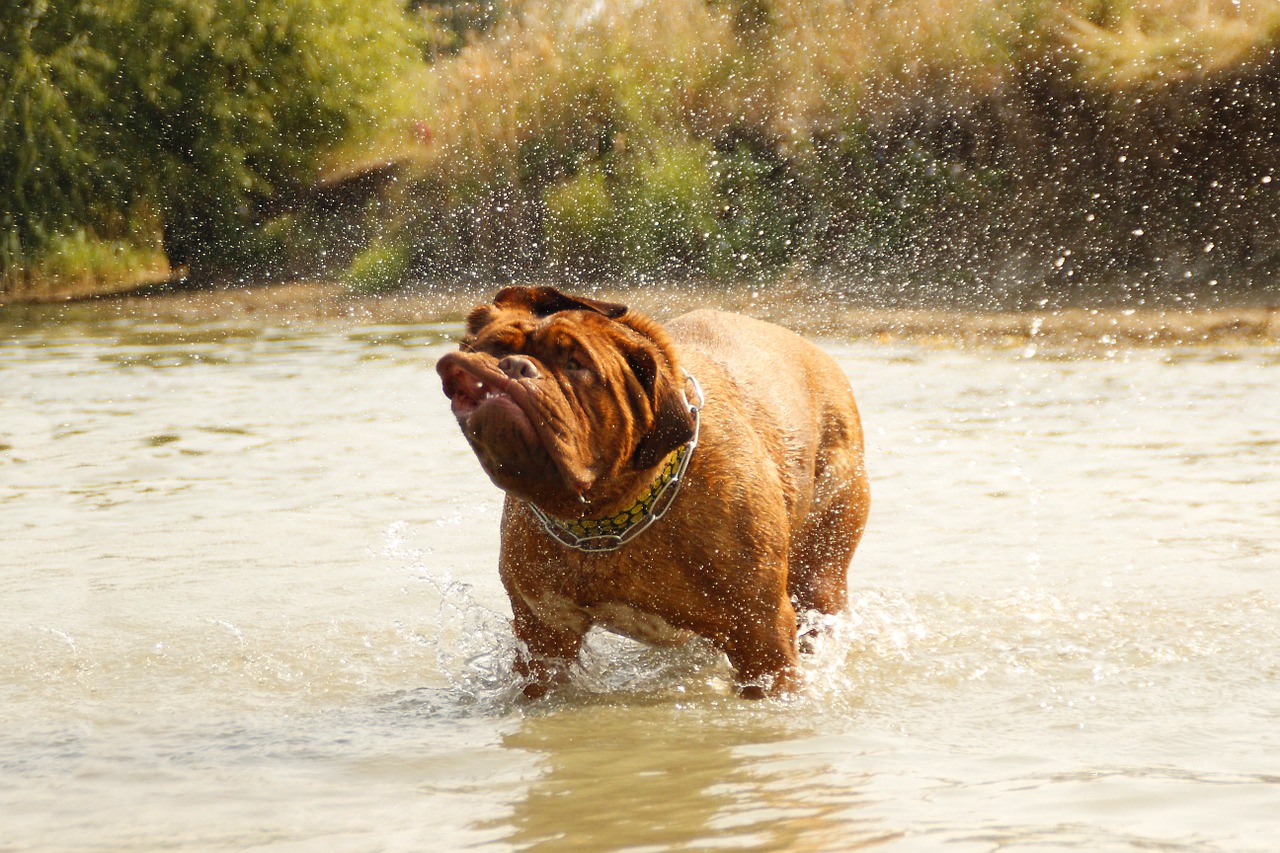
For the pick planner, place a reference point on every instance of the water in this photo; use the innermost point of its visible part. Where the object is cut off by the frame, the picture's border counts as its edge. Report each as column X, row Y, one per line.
column 250, row 601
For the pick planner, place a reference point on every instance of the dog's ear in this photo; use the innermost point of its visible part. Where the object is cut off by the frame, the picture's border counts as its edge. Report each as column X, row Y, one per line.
column 479, row 318
column 672, row 419
column 545, row 301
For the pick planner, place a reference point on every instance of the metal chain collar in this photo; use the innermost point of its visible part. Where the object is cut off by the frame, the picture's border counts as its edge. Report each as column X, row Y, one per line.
column 599, row 535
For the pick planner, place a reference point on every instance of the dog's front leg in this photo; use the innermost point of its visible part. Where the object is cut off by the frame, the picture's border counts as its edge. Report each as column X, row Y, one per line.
column 761, row 647
column 547, row 652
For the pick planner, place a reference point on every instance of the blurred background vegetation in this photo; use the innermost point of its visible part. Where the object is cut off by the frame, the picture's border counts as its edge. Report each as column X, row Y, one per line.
column 971, row 149
column 142, row 135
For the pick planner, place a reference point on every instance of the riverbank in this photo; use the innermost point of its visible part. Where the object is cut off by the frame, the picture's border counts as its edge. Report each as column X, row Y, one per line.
column 958, row 144
column 809, row 309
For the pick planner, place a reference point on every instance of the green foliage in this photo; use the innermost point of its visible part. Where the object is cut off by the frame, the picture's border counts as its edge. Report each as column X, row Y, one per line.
column 78, row 253
column 382, row 266
column 581, row 225
column 760, row 217
column 451, row 22
column 665, row 138
column 682, row 208
column 747, row 137
column 668, row 203
column 51, row 82
column 652, row 212
column 577, row 128
column 208, row 112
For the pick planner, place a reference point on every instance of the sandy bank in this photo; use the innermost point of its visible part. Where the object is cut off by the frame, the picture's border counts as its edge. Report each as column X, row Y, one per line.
column 805, row 309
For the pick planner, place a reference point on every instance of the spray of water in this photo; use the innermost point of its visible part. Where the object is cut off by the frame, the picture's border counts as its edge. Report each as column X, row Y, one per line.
column 473, row 647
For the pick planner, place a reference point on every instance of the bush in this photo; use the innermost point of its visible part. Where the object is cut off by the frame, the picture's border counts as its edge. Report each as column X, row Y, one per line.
column 744, row 137
column 381, row 267
column 760, row 217
column 51, row 85
column 668, row 202
column 651, row 212
column 210, row 113
column 581, row 225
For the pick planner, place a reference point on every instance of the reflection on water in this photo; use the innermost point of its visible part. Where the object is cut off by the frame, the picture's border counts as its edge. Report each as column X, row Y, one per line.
column 666, row 776
column 251, row 601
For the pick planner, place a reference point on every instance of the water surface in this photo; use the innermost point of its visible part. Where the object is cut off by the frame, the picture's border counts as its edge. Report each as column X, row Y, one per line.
column 251, row 601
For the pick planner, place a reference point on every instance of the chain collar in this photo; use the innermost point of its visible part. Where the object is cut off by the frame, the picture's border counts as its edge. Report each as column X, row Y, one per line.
column 599, row 535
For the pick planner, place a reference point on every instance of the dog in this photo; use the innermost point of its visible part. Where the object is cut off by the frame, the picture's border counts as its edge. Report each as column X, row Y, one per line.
column 703, row 478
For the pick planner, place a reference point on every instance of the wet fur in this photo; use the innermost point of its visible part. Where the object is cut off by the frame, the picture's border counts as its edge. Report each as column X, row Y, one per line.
column 770, row 512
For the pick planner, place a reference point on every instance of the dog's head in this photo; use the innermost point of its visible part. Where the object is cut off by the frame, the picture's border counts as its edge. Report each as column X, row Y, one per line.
column 565, row 400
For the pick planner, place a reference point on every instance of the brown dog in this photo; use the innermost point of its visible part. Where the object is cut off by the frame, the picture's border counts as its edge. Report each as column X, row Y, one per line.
column 706, row 478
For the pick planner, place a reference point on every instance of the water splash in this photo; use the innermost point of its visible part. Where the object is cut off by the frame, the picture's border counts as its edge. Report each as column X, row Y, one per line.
column 847, row 655
column 472, row 645
column 1056, row 650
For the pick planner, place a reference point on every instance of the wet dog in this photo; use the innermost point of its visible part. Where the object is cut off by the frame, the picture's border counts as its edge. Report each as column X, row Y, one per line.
column 703, row 478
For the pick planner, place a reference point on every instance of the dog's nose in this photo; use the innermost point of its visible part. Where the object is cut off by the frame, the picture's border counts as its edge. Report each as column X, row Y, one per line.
column 518, row 367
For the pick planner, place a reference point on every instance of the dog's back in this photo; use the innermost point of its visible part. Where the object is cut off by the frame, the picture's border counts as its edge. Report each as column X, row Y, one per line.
column 797, row 392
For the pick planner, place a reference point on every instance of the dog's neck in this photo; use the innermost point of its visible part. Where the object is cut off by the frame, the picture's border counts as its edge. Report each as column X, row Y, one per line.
column 611, row 532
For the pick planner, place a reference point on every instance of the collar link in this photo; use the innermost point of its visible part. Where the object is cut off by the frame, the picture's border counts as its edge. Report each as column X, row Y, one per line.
column 600, row 535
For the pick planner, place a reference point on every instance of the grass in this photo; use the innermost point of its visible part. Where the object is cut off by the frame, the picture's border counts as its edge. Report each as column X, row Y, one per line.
column 955, row 141
column 1127, row 45
column 793, row 68
column 892, row 139
column 79, row 263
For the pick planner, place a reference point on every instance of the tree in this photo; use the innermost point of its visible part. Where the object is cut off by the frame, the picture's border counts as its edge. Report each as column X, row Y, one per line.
column 201, row 112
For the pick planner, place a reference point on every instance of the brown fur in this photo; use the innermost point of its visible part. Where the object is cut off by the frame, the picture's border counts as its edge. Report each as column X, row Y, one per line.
column 589, row 402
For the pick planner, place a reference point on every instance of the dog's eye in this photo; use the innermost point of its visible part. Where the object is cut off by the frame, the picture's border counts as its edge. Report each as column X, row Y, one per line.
column 577, row 362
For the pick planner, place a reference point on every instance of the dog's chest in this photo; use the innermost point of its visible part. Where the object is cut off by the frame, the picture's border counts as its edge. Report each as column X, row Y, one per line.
column 561, row 612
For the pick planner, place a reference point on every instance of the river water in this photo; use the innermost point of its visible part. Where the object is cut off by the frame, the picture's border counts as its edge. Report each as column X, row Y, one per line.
column 250, row 601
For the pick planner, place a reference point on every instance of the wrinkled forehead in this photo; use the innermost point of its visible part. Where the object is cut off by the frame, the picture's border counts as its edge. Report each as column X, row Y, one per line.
column 514, row 330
